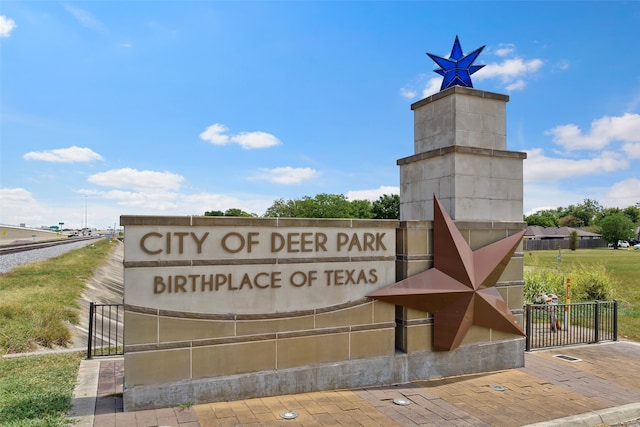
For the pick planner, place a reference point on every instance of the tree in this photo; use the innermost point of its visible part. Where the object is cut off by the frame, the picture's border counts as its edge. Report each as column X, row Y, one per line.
column 571, row 221
column 238, row 212
column 588, row 211
column 633, row 212
column 573, row 240
column 336, row 206
column 230, row 212
column 321, row 206
column 282, row 208
column 543, row 218
column 362, row 209
column 616, row 227
column 387, row 207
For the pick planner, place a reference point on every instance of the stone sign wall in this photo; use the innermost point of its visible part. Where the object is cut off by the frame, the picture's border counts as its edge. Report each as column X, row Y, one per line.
column 212, row 297
column 221, row 308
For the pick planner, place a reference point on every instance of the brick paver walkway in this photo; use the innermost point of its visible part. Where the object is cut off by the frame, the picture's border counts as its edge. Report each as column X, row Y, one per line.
column 547, row 388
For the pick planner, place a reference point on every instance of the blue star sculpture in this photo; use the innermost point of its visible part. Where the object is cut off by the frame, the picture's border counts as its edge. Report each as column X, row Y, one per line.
column 457, row 69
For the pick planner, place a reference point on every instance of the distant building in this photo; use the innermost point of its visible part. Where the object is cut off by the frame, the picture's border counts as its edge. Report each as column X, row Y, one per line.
column 538, row 237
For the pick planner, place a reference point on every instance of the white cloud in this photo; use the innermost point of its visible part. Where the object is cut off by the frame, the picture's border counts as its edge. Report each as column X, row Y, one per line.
column 137, row 180
column 625, row 128
column 286, row 175
column 85, row 18
column 155, row 200
column 539, row 167
column 19, row 207
column 517, row 85
column 408, row 93
column 6, row 26
column 505, row 49
column 64, row 155
column 372, row 194
column 12, row 197
column 211, row 201
column 215, row 134
column 632, row 150
column 433, row 86
column 542, row 196
column 510, row 71
column 623, row 194
column 250, row 140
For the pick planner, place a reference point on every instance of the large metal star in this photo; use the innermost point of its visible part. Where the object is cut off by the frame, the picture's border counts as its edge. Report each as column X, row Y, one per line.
column 460, row 288
column 457, row 69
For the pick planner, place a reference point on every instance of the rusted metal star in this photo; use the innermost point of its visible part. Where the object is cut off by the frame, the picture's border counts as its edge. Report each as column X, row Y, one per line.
column 460, row 288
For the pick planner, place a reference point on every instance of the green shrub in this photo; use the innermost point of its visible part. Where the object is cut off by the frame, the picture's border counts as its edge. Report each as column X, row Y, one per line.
column 590, row 283
column 49, row 328
column 542, row 281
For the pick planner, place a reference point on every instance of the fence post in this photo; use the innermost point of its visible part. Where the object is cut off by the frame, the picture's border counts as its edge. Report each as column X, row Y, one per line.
column 567, row 311
column 90, row 330
column 596, row 320
column 527, row 321
column 615, row 320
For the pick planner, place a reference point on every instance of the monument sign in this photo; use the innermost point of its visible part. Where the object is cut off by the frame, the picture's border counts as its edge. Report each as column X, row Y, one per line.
column 220, row 308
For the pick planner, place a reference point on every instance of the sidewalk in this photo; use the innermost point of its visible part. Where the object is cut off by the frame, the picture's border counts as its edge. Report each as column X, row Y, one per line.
column 601, row 388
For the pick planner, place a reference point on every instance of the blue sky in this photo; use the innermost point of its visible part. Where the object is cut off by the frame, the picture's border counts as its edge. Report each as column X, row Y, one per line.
column 176, row 108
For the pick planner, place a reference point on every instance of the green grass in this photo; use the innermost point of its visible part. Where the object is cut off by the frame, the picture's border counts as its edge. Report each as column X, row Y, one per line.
column 36, row 390
column 39, row 300
column 621, row 267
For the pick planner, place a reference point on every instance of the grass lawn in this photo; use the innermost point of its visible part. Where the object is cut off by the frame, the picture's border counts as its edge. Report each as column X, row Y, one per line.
column 39, row 299
column 37, row 390
column 37, row 303
column 622, row 268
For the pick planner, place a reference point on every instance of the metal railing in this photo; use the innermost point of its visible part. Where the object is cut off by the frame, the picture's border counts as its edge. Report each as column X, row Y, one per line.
column 569, row 324
column 106, row 331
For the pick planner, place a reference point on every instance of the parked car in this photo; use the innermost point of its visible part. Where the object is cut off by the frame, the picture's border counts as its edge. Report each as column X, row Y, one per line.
column 621, row 244
column 636, row 247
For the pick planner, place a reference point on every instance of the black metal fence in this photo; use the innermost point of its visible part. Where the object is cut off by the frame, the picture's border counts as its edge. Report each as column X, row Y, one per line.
column 106, row 331
column 569, row 324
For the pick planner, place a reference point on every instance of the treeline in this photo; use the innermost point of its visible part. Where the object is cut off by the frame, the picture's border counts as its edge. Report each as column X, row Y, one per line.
column 612, row 223
column 326, row 206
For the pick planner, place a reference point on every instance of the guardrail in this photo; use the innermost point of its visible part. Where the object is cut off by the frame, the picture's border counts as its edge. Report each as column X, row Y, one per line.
column 106, row 330
column 559, row 325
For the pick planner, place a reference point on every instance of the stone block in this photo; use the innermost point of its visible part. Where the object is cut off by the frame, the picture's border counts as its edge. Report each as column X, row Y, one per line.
column 477, row 334
column 359, row 315
column 178, row 329
column 383, row 312
column 141, row 328
column 308, row 350
column 264, row 326
column 419, row 338
column 157, row 367
column 232, row 359
column 372, row 343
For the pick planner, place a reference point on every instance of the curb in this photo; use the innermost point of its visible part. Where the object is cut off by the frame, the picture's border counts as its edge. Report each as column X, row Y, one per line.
column 85, row 393
column 609, row 417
